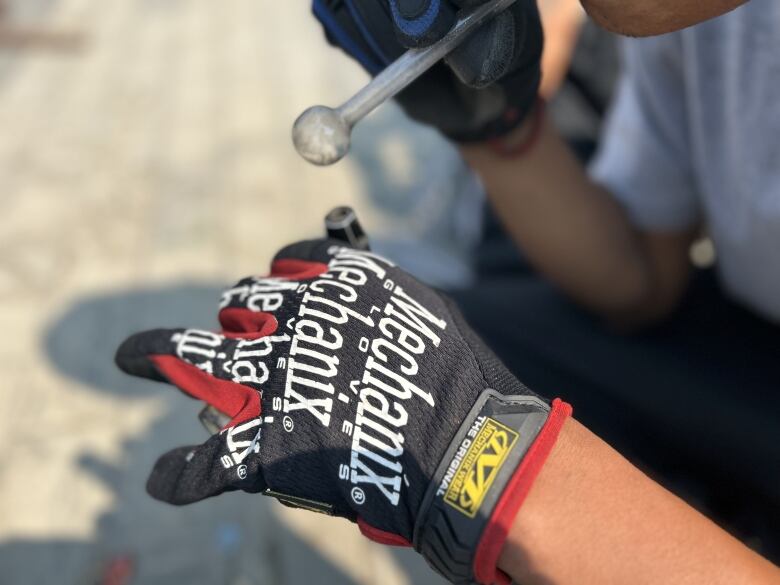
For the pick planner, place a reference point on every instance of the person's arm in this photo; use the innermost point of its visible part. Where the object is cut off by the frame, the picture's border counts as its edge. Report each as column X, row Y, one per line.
column 577, row 234
column 641, row 18
column 616, row 238
column 562, row 21
column 643, row 534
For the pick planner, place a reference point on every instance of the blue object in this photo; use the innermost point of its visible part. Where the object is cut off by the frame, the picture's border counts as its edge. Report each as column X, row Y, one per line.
column 417, row 27
column 367, row 36
column 228, row 537
column 370, row 62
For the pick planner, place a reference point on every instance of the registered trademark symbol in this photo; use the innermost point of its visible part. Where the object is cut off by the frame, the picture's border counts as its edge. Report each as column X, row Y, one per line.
column 242, row 473
column 288, row 424
column 358, row 496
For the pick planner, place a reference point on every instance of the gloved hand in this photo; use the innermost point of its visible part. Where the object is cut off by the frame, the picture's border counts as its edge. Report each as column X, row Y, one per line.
column 357, row 391
column 492, row 80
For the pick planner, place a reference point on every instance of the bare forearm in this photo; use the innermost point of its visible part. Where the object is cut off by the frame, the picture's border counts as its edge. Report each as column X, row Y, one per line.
column 592, row 517
column 642, row 18
column 570, row 228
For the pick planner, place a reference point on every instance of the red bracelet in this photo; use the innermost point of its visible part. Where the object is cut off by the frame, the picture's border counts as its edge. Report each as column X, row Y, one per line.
column 500, row 147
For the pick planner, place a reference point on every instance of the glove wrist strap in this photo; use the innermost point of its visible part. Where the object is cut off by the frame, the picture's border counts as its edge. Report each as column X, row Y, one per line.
column 464, row 517
column 506, row 149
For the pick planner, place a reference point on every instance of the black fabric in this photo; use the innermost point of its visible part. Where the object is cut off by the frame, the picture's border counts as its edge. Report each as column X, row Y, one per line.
column 491, row 82
column 386, row 353
column 695, row 401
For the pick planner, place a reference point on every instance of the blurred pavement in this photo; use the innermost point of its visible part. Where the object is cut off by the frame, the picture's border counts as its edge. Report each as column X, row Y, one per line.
column 140, row 175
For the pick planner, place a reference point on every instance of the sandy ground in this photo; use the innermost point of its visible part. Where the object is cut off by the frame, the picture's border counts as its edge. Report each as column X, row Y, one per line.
column 138, row 176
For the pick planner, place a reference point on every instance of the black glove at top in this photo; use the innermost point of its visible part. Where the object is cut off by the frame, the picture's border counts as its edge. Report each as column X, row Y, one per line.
column 357, row 391
column 492, row 80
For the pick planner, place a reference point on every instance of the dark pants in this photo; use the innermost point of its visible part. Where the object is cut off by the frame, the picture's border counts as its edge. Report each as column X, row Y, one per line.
column 695, row 402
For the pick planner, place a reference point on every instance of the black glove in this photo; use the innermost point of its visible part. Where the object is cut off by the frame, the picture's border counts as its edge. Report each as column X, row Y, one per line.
column 357, row 391
column 492, row 80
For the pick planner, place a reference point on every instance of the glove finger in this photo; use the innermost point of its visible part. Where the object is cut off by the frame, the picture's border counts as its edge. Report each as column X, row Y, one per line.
column 226, row 462
column 132, row 357
column 246, row 318
column 265, row 295
column 490, row 53
column 511, row 41
column 419, row 23
column 361, row 29
column 192, row 360
column 438, row 98
column 308, row 252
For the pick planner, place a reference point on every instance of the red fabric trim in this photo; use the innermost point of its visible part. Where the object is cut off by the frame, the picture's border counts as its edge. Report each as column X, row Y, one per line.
column 243, row 323
column 504, row 150
column 119, row 571
column 494, row 537
column 381, row 536
column 235, row 400
column 294, row 269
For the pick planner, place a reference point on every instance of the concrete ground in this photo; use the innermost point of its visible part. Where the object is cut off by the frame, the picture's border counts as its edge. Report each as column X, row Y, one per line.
column 140, row 173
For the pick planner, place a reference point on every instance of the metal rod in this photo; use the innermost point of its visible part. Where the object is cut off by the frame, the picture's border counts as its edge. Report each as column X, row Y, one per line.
column 322, row 135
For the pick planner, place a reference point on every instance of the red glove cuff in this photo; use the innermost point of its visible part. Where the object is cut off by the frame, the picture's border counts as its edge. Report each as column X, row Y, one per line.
column 486, row 561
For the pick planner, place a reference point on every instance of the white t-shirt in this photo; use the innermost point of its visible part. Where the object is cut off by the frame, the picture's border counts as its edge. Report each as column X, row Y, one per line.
column 694, row 137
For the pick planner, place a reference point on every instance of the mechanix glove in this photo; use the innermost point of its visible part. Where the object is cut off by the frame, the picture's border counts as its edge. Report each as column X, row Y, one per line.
column 357, row 391
column 487, row 86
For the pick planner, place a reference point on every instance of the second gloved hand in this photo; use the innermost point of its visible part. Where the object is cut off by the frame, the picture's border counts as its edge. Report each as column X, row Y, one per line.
column 357, row 391
column 490, row 83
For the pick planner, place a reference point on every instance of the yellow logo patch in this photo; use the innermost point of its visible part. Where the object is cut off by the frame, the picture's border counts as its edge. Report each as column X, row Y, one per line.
column 479, row 467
